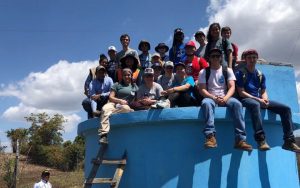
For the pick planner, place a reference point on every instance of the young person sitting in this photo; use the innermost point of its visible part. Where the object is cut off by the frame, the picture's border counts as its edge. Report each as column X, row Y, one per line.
column 217, row 85
column 149, row 93
column 181, row 92
column 99, row 90
column 251, row 86
column 120, row 98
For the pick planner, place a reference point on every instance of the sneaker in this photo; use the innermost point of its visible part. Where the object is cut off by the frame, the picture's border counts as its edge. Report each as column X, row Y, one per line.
column 263, row 145
column 291, row 146
column 210, row 141
column 103, row 139
column 97, row 113
column 243, row 145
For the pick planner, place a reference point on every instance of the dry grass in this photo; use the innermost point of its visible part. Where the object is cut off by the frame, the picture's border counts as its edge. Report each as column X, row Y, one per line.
column 29, row 174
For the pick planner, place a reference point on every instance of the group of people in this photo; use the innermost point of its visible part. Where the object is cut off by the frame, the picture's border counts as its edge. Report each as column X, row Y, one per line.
column 208, row 76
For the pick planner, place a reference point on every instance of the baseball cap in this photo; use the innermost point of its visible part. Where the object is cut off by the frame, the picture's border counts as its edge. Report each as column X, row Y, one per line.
column 248, row 52
column 215, row 50
column 190, row 43
column 156, row 54
column 100, row 67
column 148, row 71
column 180, row 64
column 112, row 48
column 45, row 173
column 169, row 64
column 199, row 33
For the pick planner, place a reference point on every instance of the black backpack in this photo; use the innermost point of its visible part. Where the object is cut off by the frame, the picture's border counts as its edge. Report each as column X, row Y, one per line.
column 197, row 94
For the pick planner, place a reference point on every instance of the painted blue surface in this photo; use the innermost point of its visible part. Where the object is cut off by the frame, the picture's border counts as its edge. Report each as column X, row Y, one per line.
column 165, row 147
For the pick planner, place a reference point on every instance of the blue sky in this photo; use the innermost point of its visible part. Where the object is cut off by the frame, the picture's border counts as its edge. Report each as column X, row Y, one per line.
column 46, row 47
column 35, row 35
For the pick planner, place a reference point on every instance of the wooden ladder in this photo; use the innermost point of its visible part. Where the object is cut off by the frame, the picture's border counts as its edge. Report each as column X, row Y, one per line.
column 115, row 181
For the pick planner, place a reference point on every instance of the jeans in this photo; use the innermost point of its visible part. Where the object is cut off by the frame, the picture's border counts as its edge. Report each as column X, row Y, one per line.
column 91, row 106
column 86, row 104
column 285, row 114
column 208, row 106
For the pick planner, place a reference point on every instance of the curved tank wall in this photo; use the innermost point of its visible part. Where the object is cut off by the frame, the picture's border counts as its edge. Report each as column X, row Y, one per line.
column 165, row 147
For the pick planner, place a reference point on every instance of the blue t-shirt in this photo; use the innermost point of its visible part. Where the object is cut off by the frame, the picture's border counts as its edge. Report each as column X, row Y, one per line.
column 178, row 54
column 252, row 84
column 187, row 80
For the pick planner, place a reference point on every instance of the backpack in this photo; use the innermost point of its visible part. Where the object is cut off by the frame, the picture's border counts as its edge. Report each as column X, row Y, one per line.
column 244, row 76
column 197, row 94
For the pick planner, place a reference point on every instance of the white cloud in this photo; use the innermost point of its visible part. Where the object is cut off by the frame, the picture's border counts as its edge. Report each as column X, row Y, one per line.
column 72, row 122
column 57, row 90
column 271, row 26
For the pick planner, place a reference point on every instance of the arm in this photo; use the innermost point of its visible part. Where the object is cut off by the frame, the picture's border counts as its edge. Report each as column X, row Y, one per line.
column 229, row 58
column 114, row 99
column 86, row 84
column 175, row 89
column 110, row 83
column 231, row 89
column 244, row 94
column 92, row 91
column 203, row 91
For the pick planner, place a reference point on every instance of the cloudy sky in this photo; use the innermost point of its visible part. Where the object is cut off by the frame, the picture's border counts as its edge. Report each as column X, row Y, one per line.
column 47, row 47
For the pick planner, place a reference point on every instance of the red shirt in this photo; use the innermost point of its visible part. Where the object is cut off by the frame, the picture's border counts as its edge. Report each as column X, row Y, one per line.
column 193, row 68
column 235, row 50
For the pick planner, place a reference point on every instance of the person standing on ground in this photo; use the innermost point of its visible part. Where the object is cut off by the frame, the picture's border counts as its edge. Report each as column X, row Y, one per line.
column 44, row 183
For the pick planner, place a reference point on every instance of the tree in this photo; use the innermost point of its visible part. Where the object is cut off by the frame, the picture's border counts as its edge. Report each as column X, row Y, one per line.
column 22, row 135
column 45, row 138
column 74, row 152
column 2, row 148
column 46, row 130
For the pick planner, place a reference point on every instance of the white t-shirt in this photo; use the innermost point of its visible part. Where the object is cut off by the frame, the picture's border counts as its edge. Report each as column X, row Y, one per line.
column 42, row 184
column 216, row 82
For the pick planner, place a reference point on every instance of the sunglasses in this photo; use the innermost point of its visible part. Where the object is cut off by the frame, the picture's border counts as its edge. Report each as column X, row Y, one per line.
column 149, row 75
column 215, row 56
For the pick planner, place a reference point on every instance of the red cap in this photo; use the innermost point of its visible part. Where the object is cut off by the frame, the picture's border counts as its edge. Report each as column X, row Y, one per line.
column 190, row 43
column 248, row 52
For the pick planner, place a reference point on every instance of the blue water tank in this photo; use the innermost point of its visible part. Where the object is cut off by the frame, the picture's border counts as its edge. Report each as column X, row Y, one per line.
column 165, row 147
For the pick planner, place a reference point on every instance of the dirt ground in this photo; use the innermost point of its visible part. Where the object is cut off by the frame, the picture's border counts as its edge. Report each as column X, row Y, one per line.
column 29, row 174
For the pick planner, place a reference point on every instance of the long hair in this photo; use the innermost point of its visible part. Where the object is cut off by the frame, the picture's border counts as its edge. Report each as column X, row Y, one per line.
column 131, row 80
column 209, row 37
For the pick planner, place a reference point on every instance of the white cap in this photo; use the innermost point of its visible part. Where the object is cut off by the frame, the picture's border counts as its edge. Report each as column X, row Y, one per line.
column 156, row 54
column 112, row 48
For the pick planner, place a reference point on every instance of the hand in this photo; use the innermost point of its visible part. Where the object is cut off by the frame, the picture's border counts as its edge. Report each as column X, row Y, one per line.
column 146, row 101
column 123, row 102
column 263, row 103
column 266, row 101
column 164, row 93
column 96, row 97
column 221, row 101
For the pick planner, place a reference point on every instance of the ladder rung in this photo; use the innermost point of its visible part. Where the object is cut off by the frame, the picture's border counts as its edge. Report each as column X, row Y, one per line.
column 110, row 162
column 100, row 180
